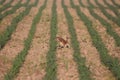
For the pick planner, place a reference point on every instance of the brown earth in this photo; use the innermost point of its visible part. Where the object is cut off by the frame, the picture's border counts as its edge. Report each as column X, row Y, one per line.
column 93, row 2
column 23, row 1
column 7, row 20
column 35, row 61
column 14, row 2
column 110, row 2
column 117, row 1
column 111, row 13
column 113, row 24
column 98, row 70
column 76, row 2
column 85, row 3
column 67, row 68
column 9, row 8
column 15, row 44
column 6, row 1
column 107, row 39
column 102, row 3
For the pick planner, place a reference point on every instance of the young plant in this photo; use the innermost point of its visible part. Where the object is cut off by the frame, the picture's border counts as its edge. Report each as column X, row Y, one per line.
column 84, row 73
column 110, row 62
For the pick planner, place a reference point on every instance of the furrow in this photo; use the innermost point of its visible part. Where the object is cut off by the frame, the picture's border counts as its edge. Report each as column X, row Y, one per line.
column 83, row 71
column 98, row 70
column 110, row 62
column 67, row 68
column 35, row 62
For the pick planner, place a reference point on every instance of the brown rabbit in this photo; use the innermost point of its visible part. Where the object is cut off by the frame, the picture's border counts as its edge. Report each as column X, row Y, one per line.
column 62, row 42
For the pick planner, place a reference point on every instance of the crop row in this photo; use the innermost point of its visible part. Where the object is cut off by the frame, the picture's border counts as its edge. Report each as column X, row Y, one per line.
column 6, row 35
column 112, row 63
column 108, row 27
column 110, row 17
column 2, row 1
column 111, row 7
column 5, row 6
column 84, row 73
column 114, row 9
column 117, row 5
column 103, row 10
column 14, row 8
column 80, row 2
column 51, row 54
column 87, row 6
column 91, row 5
column 20, row 58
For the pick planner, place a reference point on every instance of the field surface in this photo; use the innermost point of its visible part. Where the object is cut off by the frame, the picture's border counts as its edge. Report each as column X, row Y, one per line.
column 28, row 46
